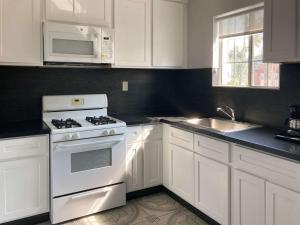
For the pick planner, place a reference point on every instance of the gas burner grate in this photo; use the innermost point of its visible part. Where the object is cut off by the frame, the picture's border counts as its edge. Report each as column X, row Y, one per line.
column 68, row 123
column 101, row 120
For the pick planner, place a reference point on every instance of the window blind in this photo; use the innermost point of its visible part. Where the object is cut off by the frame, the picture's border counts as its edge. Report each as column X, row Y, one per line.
column 242, row 23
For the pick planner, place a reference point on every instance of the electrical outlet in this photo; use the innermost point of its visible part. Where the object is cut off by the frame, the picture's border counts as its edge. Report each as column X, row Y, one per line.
column 125, row 86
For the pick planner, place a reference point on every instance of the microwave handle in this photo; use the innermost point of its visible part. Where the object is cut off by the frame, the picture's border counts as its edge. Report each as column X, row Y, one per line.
column 97, row 45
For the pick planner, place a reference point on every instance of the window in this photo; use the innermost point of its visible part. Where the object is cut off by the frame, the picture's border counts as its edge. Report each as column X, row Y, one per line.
column 238, row 51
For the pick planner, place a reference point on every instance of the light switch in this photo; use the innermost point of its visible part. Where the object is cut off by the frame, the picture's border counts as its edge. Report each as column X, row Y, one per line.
column 125, row 86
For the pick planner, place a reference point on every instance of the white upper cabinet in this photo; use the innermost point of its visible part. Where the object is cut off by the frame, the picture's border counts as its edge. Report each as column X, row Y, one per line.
column 97, row 12
column 169, row 33
column 280, row 31
column 20, row 29
column 61, row 10
column 132, row 33
column 94, row 12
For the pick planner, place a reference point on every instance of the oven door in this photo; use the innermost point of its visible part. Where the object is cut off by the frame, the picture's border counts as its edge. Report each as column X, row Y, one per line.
column 86, row 164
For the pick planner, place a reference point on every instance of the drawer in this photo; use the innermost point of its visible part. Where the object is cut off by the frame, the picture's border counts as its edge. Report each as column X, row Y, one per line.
column 78, row 205
column 212, row 148
column 271, row 168
column 152, row 132
column 134, row 134
column 23, row 147
column 181, row 138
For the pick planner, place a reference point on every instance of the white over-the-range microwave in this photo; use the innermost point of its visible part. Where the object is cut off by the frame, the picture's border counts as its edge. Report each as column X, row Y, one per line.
column 67, row 43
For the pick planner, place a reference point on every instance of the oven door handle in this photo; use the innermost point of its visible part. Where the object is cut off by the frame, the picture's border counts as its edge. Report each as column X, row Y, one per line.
column 89, row 145
column 92, row 193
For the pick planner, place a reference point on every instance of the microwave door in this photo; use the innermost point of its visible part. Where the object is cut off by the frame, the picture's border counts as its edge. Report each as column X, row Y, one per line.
column 71, row 47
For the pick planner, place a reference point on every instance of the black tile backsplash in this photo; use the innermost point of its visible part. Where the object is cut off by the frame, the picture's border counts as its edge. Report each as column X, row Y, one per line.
column 22, row 89
column 267, row 107
column 151, row 92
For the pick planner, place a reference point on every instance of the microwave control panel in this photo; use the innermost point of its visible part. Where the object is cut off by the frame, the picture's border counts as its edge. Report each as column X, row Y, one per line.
column 107, row 46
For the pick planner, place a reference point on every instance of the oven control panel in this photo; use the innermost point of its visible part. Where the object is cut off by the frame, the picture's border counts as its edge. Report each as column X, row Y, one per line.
column 88, row 134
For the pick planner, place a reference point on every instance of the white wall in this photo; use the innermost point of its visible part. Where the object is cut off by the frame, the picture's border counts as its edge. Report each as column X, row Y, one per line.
column 201, row 13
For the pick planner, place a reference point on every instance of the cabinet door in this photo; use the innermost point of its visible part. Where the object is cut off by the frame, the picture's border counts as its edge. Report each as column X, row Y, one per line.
column 169, row 33
column 166, row 156
column 280, row 31
column 94, row 12
column 134, row 167
column 97, row 12
column 212, row 189
column 248, row 199
column 132, row 20
column 182, row 173
column 282, row 206
column 152, row 163
column 61, row 10
column 23, row 188
column 20, row 29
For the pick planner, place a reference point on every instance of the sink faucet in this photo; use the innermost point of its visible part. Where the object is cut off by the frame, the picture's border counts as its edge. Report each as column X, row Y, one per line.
column 231, row 115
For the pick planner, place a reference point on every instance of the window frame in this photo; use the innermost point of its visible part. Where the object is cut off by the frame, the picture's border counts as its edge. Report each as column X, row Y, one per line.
column 218, row 47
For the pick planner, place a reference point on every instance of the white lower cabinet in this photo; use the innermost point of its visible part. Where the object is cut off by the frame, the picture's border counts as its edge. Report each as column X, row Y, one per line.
column 24, row 181
column 212, row 189
column 271, row 196
column 134, row 167
column 166, row 155
column 261, row 189
column 282, row 206
column 182, row 172
column 248, row 199
column 144, row 157
column 152, row 163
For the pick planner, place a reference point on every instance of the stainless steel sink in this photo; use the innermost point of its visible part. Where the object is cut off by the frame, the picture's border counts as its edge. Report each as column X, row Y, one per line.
column 221, row 125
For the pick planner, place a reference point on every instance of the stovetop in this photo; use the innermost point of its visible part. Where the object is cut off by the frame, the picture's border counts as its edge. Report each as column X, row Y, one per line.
column 77, row 121
column 67, row 115
column 65, row 124
column 72, row 123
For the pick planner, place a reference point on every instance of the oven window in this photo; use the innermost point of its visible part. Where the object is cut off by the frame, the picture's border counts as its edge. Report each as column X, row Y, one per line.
column 73, row 47
column 95, row 159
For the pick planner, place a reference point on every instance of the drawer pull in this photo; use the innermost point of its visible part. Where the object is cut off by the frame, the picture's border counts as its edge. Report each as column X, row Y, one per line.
column 86, row 195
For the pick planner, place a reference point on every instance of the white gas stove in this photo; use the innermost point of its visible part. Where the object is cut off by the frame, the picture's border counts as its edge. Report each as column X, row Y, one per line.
column 88, row 155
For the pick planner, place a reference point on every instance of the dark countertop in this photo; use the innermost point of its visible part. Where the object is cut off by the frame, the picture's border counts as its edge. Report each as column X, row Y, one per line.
column 132, row 120
column 24, row 128
column 261, row 138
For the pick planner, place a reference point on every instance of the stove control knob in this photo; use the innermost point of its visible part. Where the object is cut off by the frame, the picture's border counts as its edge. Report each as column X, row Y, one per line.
column 68, row 137
column 112, row 132
column 105, row 133
column 76, row 136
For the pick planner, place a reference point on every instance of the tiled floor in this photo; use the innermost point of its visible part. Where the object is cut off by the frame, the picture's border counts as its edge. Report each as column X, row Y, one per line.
column 157, row 209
